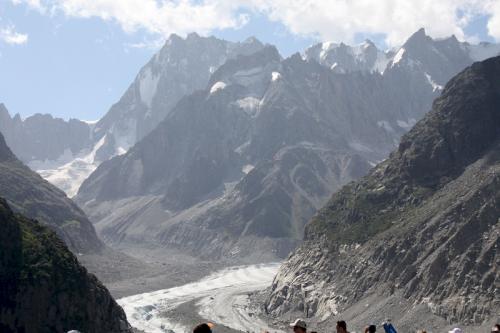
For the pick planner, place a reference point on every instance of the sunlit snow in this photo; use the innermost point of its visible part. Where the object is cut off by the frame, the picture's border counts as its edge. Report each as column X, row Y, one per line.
column 219, row 85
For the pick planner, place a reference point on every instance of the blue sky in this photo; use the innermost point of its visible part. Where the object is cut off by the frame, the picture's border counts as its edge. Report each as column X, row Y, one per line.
column 76, row 62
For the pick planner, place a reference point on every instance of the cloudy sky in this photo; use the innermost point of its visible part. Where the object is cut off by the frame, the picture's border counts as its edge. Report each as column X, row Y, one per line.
column 74, row 58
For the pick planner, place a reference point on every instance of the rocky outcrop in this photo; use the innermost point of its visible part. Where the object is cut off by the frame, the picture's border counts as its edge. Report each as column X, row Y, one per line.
column 31, row 195
column 423, row 224
column 44, row 289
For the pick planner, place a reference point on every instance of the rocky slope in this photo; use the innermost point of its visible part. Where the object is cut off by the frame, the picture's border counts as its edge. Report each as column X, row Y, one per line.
column 31, row 195
column 42, row 286
column 265, row 132
column 422, row 227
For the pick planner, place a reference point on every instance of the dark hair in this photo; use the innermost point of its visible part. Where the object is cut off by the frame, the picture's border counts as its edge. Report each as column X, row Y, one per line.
column 342, row 324
column 372, row 329
column 202, row 328
column 497, row 326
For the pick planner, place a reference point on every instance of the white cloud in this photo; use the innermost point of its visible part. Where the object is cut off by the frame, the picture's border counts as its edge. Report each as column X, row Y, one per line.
column 338, row 20
column 494, row 21
column 154, row 16
column 33, row 4
column 10, row 36
column 341, row 20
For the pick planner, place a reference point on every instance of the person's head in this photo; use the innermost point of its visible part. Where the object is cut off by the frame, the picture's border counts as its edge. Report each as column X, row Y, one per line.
column 371, row 329
column 203, row 328
column 456, row 330
column 495, row 328
column 299, row 326
column 341, row 326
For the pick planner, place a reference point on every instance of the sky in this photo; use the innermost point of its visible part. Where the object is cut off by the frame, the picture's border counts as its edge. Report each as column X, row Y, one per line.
column 75, row 58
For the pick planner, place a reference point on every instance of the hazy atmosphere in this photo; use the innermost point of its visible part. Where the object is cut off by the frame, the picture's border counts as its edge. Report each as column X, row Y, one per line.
column 224, row 166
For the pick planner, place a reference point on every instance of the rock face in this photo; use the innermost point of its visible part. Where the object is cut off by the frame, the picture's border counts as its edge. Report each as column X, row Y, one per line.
column 423, row 224
column 43, row 288
column 31, row 195
column 249, row 159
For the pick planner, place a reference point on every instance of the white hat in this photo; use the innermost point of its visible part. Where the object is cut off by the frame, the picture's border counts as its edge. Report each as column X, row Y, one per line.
column 456, row 330
column 299, row 323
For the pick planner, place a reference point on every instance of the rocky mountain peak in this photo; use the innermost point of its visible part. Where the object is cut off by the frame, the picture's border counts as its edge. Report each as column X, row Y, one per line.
column 464, row 122
column 417, row 38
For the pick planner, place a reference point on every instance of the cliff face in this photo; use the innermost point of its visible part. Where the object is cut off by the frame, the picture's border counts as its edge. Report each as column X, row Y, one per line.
column 43, row 288
column 424, row 224
column 31, row 195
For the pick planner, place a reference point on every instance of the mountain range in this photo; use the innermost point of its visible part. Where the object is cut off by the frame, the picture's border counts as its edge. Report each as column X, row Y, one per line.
column 416, row 239
column 246, row 161
column 66, row 152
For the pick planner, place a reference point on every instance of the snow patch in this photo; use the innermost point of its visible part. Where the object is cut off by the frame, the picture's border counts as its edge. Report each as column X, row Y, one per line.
column 435, row 86
column 219, row 85
column 399, row 55
column 247, row 168
column 242, row 148
column 71, row 175
column 275, row 76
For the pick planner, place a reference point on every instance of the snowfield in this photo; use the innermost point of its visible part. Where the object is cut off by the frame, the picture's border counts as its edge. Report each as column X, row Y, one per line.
column 222, row 297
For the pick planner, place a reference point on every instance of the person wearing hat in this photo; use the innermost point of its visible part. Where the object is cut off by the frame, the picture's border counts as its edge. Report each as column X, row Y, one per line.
column 299, row 326
column 456, row 330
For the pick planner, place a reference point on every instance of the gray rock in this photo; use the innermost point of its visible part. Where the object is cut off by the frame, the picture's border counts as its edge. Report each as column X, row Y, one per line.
column 422, row 225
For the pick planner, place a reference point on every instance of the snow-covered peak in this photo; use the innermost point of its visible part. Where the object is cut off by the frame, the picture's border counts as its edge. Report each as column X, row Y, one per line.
column 343, row 58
